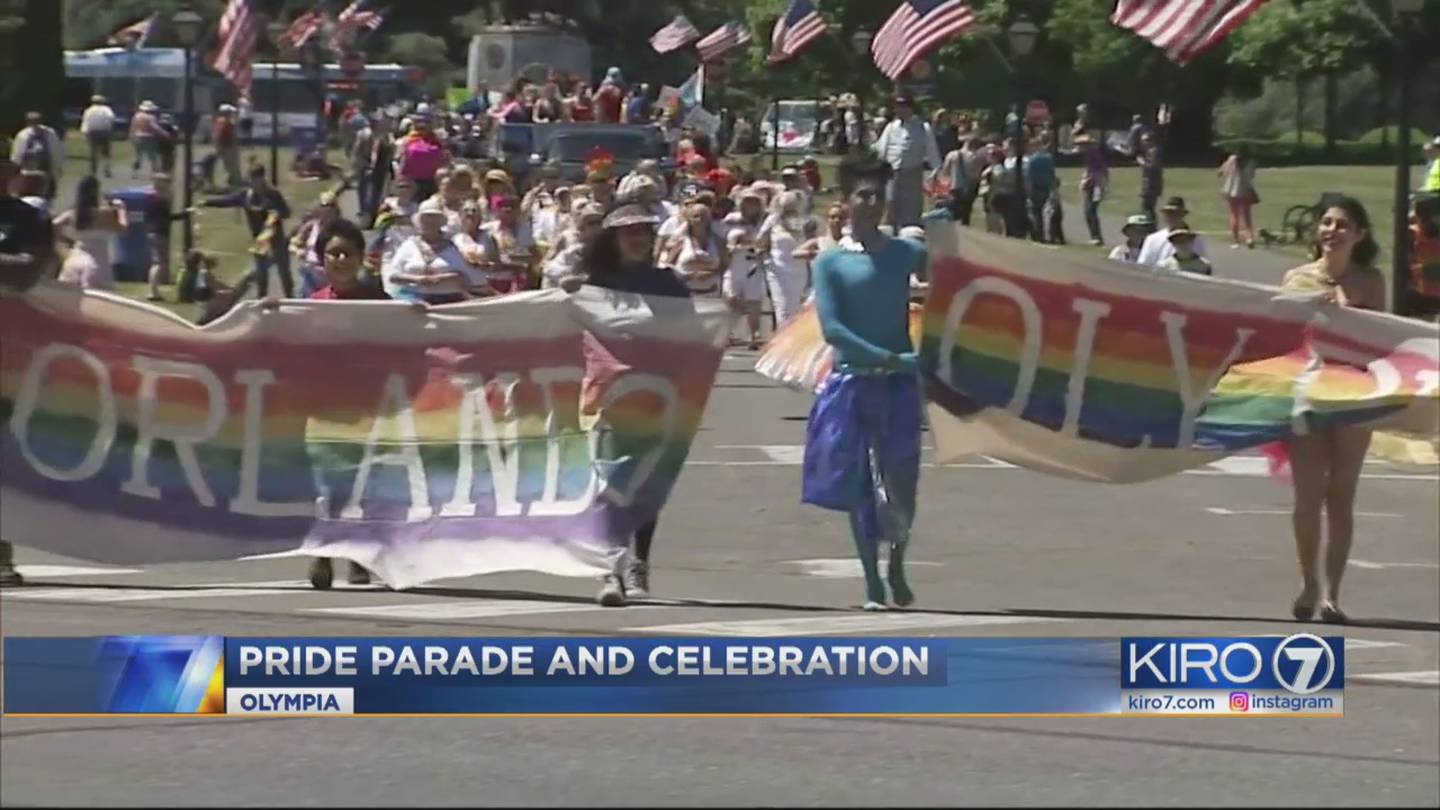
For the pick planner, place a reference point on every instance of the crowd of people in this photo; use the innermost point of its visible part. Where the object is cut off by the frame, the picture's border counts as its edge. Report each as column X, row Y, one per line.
column 438, row 220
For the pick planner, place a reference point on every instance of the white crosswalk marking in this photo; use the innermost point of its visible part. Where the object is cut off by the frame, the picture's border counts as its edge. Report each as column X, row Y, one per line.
column 1419, row 677
column 464, row 609
column 52, row 571
column 833, row 625
column 838, row 568
column 205, row 591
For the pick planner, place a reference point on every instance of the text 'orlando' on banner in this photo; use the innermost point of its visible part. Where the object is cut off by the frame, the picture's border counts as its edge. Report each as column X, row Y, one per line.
column 523, row 433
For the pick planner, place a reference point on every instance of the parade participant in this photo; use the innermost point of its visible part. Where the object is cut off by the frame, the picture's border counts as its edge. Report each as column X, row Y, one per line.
column 306, row 246
column 1152, row 173
column 541, row 195
column 428, row 266
column 862, row 444
column 343, row 246
column 908, row 146
column 1095, row 182
column 621, row 259
column 1237, row 186
column 456, row 189
column 1423, row 300
column 602, row 189
column 549, row 216
column 1184, row 259
column 786, row 274
column 167, row 136
column 1431, row 150
column 581, row 106
column 837, row 227
column 1326, row 464
column 744, row 283
column 994, row 180
column 610, row 99
column 265, row 210
column 421, row 154
column 565, row 263
column 1009, row 193
column 696, row 253
column 143, row 130
column 1136, row 228
column 1158, row 247
column 94, row 225
column 637, row 104
column 515, row 255
column 962, row 168
column 496, row 187
column 97, row 124
column 38, row 148
column 225, row 137
column 27, row 254
column 159, row 221
column 394, row 220
column 791, row 179
column 1044, row 211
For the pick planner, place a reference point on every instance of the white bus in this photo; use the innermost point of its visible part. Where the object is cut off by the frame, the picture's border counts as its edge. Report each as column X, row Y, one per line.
column 127, row 77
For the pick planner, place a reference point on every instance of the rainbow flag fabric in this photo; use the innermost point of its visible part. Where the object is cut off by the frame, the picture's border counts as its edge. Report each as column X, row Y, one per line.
column 1104, row 371
column 531, row 432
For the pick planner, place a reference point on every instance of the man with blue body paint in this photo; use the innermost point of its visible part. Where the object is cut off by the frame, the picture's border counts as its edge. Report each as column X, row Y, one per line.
column 862, row 445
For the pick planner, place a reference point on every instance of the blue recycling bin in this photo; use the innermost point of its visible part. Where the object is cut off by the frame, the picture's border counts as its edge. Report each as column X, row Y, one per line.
column 132, row 248
column 304, row 138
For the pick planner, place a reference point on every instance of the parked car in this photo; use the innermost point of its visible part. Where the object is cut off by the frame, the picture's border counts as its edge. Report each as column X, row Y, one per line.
column 525, row 147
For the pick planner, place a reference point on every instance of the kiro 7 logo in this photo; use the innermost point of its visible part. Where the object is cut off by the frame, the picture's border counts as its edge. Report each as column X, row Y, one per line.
column 1301, row 664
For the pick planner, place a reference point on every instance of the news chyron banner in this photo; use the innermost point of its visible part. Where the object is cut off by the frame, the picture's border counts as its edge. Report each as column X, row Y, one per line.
column 1300, row 675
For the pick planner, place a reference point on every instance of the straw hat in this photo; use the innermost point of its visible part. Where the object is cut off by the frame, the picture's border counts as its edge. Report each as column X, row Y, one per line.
column 1137, row 221
column 430, row 208
column 630, row 215
column 593, row 212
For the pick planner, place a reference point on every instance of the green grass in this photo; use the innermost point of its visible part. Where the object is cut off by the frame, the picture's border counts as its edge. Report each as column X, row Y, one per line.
column 1279, row 189
column 221, row 232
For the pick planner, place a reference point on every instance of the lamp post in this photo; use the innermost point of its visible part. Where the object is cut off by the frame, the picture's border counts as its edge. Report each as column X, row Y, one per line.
column 188, row 26
column 276, row 30
column 1022, row 35
column 314, row 62
column 1406, row 14
column 860, row 42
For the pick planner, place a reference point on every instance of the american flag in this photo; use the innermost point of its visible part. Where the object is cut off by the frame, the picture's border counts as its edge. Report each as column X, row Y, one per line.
column 679, row 32
column 303, row 28
column 1184, row 28
column 730, row 35
column 914, row 28
column 800, row 24
column 239, row 31
column 135, row 34
column 349, row 23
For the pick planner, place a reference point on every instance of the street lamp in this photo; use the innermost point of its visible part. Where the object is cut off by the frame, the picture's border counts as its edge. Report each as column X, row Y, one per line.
column 1406, row 14
column 188, row 26
column 1022, row 35
column 313, row 61
column 276, row 31
column 860, row 41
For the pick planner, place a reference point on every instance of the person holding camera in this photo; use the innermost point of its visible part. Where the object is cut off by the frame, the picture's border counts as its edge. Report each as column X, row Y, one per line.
column 744, row 284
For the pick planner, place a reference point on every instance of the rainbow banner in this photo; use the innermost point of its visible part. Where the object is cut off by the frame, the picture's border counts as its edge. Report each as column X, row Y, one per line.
column 531, row 432
column 1097, row 370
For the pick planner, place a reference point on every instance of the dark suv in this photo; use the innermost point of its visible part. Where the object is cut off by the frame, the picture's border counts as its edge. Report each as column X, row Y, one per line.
column 570, row 147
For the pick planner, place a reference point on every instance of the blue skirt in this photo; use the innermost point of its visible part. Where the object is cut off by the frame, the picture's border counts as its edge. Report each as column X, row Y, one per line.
column 853, row 416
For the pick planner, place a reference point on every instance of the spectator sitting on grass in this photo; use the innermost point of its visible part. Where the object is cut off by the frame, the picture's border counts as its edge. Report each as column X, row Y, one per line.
column 1184, row 259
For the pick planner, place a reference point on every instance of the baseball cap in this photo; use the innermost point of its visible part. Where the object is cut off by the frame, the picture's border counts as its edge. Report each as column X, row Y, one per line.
column 1137, row 221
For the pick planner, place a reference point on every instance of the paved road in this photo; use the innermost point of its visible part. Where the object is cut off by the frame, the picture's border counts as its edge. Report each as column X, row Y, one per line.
column 999, row 551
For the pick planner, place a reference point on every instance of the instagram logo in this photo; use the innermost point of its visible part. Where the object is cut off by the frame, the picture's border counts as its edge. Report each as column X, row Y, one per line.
column 1239, row 701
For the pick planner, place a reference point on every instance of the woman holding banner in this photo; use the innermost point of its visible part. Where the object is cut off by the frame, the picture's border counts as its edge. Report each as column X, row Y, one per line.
column 1326, row 463
column 621, row 259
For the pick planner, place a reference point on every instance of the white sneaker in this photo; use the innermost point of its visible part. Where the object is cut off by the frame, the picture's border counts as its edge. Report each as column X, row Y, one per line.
column 636, row 580
column 612, row 592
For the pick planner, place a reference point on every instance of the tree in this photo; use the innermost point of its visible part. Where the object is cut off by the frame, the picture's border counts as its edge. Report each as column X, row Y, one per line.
column 426, row 52
column 1304, row 40
column 32, row 69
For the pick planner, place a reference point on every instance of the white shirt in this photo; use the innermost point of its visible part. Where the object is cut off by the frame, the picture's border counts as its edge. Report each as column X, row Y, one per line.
column 908, row 144
column 416, row 258
column 1124, row 253
column 98, row 119
column 1157, row 248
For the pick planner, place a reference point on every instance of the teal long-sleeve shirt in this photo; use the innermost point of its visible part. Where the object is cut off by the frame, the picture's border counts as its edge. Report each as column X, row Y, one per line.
column 863, row 301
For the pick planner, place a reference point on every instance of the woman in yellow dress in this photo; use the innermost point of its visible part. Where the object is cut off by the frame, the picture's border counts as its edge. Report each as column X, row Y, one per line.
column 1326, row 463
